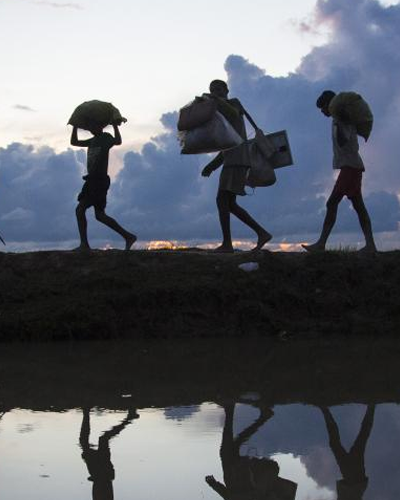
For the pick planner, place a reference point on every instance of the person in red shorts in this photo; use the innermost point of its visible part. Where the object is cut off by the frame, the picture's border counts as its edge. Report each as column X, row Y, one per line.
column 347, row 159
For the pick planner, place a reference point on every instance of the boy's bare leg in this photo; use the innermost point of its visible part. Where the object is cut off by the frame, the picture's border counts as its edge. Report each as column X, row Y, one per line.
column 82, row 226
column 223, row 204
column 129, row 238
column 330, row 218
column 365, row 223
column 263, row 235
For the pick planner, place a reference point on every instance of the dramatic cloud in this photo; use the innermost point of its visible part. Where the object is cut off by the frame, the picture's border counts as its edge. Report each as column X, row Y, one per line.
column 160, row 194
column 38, row 193
column 361, row 55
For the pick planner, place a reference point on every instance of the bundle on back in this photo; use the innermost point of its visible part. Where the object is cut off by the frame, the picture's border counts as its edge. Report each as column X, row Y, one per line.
column 351, row 107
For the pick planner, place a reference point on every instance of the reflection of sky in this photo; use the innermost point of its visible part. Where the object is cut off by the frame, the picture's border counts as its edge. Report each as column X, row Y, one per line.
column 153, row 457
column 293, row 468
column 160, row 457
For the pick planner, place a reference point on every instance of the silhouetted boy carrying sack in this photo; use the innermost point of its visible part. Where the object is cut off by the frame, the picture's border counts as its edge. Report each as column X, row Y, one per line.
column 236, row 163
column 347, row 159
column 97, row 181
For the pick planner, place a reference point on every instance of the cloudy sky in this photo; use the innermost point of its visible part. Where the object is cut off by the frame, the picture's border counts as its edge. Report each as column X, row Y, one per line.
column 149, row 59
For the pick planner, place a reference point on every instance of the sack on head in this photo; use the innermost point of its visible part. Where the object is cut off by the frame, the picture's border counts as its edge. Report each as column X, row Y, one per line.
column 98, row 113
column 351, row 107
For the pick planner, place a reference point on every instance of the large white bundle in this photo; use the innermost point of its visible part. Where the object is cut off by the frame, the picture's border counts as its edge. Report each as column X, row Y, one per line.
column 351, row 107
column 214, row 136
column 95, row 113
column 196, row 113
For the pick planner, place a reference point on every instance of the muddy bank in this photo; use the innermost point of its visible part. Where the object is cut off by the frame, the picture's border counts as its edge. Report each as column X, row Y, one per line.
column 142, row 294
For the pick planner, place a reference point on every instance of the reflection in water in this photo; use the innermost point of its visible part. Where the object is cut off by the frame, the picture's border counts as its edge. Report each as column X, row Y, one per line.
column 98, row 461
column 248, row 478
column 351, row 463
column 302, row 382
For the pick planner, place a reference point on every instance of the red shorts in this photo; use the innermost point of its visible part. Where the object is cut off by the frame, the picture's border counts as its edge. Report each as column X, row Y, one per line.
column 348, row 182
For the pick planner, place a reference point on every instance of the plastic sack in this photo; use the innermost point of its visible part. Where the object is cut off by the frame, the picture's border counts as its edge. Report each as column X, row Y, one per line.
column 214, row 136
column 95, row 113
column 196, row 113
column 351, row 107
column 261, row 172
column 249, row 267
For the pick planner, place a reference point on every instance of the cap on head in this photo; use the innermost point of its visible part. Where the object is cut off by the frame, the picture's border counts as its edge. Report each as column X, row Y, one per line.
column 325, row 98
column 216, row 84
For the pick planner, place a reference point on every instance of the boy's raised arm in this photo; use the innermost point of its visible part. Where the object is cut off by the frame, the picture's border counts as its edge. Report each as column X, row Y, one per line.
column 75, row 141
column 117, row 135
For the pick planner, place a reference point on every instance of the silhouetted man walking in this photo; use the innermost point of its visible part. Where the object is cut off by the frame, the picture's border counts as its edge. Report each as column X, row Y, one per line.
column 234, row 172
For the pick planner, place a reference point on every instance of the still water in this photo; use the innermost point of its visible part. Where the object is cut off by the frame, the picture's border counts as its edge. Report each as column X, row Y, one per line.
column 248, row 421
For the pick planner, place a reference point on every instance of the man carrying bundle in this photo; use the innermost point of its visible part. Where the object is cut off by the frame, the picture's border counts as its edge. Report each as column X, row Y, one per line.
column 347, row 159
column 97, row 182
column 234, row 172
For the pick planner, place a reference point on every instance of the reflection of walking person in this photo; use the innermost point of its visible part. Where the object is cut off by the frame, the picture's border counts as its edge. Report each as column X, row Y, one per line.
column 351, row 463
column 233, row 176
column 97, row 182
column 98, row 461
column 236, row 468
column 346, row 158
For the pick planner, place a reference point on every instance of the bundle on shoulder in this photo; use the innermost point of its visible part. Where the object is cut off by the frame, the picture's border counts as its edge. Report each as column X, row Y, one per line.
column 352, row 108
column 204, row 127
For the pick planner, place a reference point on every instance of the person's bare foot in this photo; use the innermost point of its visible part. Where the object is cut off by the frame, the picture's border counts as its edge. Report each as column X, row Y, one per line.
column 368, row 250
column 315, row 247
column 129, row 241
column 82, row 248
column 263, row 239
column 223, row 249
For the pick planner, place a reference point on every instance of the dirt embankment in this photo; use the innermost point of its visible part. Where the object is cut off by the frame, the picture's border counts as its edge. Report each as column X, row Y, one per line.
column 113, row 294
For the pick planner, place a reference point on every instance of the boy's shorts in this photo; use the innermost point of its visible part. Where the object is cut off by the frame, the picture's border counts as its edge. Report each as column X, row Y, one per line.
column 348, row 182
column 94, row 192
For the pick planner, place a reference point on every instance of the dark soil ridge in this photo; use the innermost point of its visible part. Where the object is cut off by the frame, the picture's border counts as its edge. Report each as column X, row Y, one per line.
column 144, row 294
